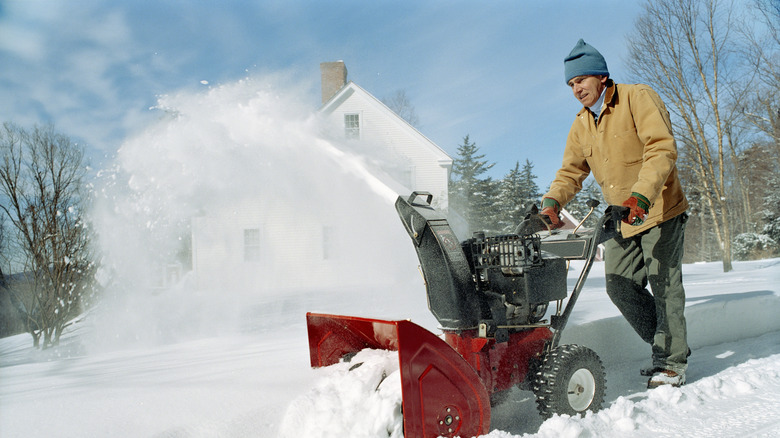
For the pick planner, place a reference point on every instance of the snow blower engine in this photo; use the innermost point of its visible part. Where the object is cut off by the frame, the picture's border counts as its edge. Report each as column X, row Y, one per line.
column 492, row 283
column 490, row 295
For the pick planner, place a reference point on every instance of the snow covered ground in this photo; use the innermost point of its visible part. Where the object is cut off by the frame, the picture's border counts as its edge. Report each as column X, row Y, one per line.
column 254, row 381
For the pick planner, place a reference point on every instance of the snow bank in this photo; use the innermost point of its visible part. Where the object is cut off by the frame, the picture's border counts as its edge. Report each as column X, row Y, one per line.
column 735, row 402
column 739, row 316
column 369, row 385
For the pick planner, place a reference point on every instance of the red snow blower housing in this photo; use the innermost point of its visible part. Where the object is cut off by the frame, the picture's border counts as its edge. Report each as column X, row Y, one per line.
column 490, row 295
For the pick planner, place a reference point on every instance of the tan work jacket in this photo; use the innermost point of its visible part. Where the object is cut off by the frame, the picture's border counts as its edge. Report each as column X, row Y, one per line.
column 630, row 149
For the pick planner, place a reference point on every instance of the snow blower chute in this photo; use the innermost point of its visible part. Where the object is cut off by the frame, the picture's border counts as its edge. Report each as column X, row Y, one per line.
column 490, row 294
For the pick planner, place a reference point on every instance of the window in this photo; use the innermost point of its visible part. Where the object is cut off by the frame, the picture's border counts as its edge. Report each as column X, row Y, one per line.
column 251, row 244
column 352, row 126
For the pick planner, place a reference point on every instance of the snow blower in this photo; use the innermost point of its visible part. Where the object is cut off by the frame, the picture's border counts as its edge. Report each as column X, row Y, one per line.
column 490, row 295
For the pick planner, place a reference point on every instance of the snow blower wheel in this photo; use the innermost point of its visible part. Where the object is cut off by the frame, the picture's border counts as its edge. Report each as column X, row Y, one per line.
column 570, row 380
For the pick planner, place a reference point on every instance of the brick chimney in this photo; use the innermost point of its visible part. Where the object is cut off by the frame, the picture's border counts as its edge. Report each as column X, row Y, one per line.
column 334, row 77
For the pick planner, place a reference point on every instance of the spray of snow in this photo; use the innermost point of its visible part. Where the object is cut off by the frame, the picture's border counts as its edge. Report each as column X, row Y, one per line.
column 256, row 142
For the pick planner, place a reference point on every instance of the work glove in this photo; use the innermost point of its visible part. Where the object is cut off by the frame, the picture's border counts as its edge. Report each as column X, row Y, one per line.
column 638, row 207
column 550, row 210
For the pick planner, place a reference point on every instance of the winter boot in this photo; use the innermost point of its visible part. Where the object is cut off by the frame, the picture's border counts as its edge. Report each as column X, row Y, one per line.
column 650, row 370
column 666, row 377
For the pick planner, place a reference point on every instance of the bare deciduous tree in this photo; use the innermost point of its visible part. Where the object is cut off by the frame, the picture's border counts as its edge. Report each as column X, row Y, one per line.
column 401, row 105
column 685, row 50
column 42, row 185
column 762, row 50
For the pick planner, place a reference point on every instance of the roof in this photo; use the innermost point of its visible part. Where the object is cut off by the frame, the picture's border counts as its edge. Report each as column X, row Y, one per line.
column 351, row 88
column 570, row 222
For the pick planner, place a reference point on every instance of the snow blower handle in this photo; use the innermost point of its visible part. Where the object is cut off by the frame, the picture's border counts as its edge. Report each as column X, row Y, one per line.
column 413, row 197
column 614, row 215
column 608, row 228
column 533, row 223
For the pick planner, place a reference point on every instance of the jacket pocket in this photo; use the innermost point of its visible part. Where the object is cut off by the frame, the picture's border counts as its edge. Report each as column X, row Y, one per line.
column 587, row 150
column 629, row 150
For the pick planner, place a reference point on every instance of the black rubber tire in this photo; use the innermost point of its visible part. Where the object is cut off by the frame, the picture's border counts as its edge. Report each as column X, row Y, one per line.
column 570, row 380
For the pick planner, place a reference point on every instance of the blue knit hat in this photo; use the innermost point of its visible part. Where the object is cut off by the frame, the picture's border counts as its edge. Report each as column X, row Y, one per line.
column 584, row 60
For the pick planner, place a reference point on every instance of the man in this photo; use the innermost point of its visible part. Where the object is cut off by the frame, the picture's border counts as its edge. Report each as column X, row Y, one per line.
column 623, row 135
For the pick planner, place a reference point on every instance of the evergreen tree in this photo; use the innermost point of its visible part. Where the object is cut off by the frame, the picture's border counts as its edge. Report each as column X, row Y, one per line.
column 529, row 190
column 509, row 200
column 470, row 193
column 771, row 210
column 518, row 192
column 487, row 214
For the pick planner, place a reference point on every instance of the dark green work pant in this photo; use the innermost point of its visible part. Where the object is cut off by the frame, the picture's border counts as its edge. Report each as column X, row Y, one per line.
column 655, row 257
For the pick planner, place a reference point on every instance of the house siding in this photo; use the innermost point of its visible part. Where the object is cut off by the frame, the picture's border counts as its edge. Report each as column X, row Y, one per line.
column 292, row 255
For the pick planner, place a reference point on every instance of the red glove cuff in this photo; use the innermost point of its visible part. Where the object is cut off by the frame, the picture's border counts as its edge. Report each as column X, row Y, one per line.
column 551, row 208
column 638, row 206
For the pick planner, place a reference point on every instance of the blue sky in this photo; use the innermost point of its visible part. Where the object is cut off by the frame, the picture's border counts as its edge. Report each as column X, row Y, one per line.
column 490, row 69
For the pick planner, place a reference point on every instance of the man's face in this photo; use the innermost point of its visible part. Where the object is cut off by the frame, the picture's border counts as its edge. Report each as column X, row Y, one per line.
column 587, row 89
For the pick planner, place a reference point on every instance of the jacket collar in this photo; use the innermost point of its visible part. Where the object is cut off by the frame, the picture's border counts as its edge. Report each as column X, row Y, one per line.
column 609, row 95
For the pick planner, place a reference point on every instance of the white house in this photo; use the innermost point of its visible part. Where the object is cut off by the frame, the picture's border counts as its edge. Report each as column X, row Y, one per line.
column 321, row 224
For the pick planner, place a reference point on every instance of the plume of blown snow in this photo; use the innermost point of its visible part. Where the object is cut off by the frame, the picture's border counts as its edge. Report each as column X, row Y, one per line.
column 256, row 141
